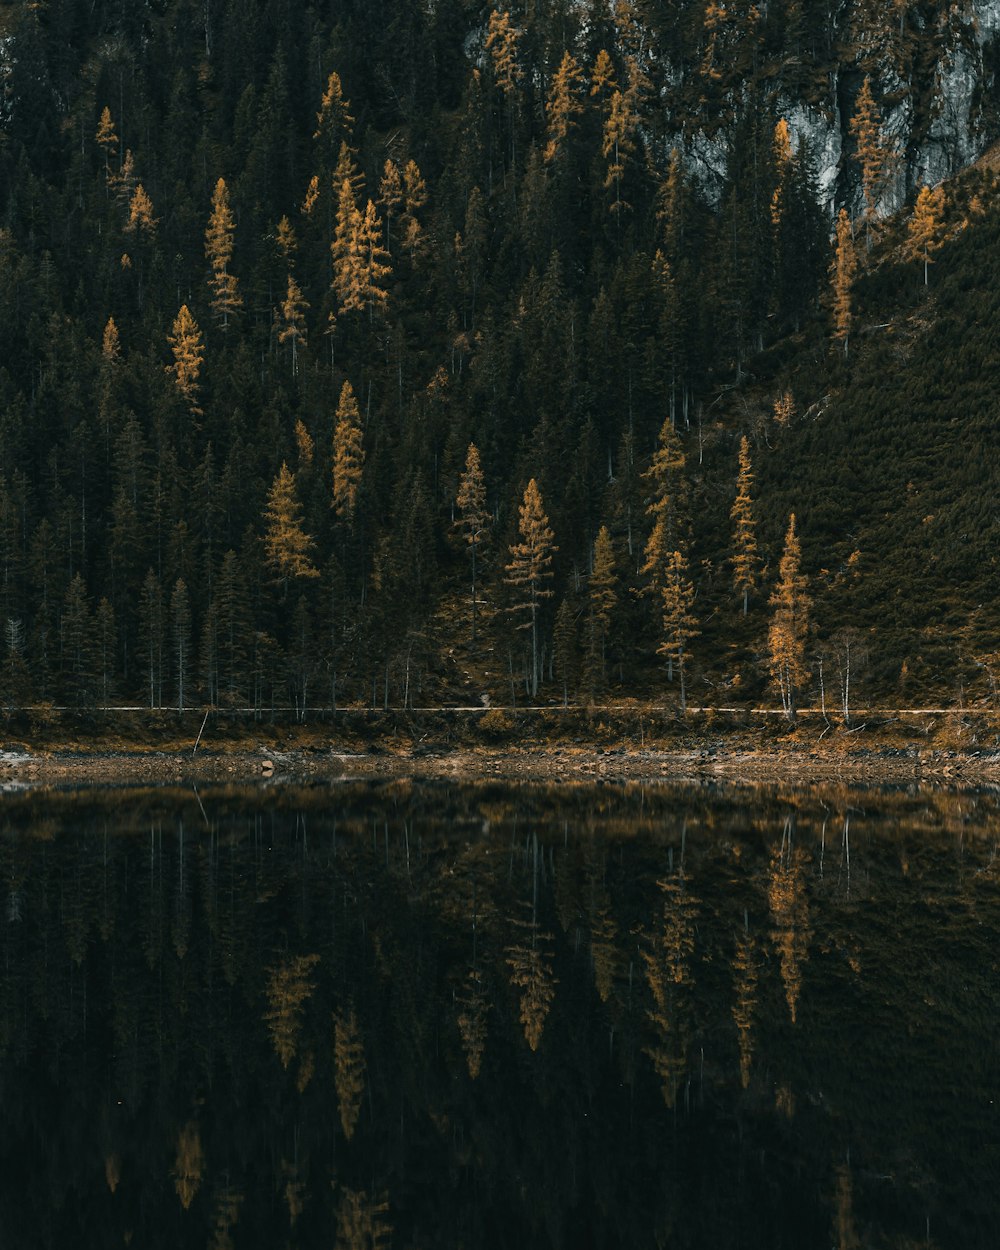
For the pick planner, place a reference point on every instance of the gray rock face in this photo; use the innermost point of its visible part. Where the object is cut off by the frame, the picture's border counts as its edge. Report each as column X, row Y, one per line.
column 932, row 138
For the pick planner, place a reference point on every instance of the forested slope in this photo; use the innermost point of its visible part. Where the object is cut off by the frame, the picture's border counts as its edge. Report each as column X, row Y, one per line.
column 267, row 271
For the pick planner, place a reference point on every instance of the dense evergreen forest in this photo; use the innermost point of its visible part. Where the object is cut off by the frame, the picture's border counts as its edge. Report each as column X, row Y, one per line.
column 404, row 353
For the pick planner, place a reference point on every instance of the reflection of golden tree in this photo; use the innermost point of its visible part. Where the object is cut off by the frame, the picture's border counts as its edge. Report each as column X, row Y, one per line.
column 472, row 1021
column 667, row 958
column 603, row 929
column 349, row 1068
column 745, row 984
column 847, row 1237
column 307, row 1066
column 531, row 971
column 190, row 1164
column 288, row 989
column 112, row 1171
column 786, row 896
column 361, row 1221
column 227, row 1213
column 295, row 1191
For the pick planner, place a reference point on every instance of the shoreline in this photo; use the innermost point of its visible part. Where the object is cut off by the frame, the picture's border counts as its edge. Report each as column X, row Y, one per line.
column 21, row 770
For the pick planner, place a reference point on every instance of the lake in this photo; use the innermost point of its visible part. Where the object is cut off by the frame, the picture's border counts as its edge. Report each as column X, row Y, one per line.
column 420, row 1014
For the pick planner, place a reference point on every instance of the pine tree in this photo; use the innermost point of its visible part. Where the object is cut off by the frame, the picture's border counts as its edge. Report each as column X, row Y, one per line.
column 151, row 636
column 105, row 645
column 745, row 560
column 924, row 231
column 76, row 637
column 789, row 628
column 844, row 267
column 348, row 455
column 226, row 299
column 565, row 649
column 564, row 105
column 180, row 629
column 287, row 547
column 414, row 200
column 188, row 347
column 471, row 503
column 530, row 569
column 602, row 601
column 679, row 624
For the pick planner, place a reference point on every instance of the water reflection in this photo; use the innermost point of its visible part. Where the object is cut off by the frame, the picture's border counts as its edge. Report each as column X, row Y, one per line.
column 405, row 1014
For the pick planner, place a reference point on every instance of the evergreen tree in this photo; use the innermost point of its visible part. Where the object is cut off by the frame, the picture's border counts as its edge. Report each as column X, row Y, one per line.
column 180, row 628
column 474, row 519
column 293, row 322
column 151, row 637
column 789, row 628
column 530, row 570
column 602, row 599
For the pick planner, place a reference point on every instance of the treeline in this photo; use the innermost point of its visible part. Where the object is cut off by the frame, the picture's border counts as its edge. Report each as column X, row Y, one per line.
column 301, row 309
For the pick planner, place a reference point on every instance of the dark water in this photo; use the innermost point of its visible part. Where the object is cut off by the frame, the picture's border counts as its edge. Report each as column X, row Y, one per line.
column 421, row 1015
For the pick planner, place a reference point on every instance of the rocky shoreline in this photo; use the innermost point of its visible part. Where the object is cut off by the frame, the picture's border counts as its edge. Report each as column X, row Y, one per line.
column 21, row 769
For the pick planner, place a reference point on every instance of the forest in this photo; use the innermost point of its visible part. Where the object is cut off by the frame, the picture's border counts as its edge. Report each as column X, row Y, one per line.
column 401, row 354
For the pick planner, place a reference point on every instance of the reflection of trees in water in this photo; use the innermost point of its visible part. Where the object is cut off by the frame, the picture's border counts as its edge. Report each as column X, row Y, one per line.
column 189, row 1164
column 745, row 972
column 530, row 962
column 472, row 1022
column 349, row 1068
column 789, row 906
column 289, row 987
column 362, row 1221
column 226, row 1217
column 402, row 917
column 667, row 956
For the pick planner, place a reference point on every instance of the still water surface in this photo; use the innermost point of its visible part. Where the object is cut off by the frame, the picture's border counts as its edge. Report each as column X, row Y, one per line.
column 425, row 1014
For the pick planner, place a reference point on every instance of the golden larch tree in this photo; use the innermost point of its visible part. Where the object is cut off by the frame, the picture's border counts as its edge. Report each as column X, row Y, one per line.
column 678, row 620
column 226, row 299
column 374, row 266
column 414, row 200
column 334, row 122
column 789, row 628
column 141, row 219
column 602, row 76
column 293, row 321
column 845, row 264
column 745, row 560
column 474, row 517
column 348, row 454
column 781, row 146
column 287, row 547
column 110, row 343
column 563, row 105
column 617, row 145
column 870, row 151
column 530, row 569
column 188, row 349
column 923, row 235
column 502, row 38
column 107, row 140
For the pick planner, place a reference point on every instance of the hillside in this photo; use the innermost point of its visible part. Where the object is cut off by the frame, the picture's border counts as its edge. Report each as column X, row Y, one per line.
column 268, row 270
